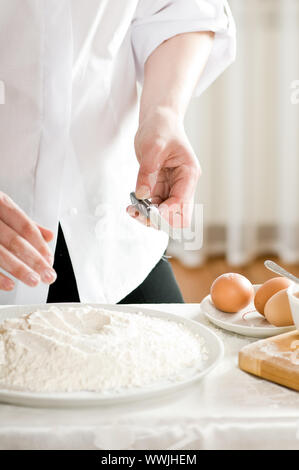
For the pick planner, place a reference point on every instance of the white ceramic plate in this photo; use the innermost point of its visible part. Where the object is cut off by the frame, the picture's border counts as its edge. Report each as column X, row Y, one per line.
column 253, row 324
column 213, row 345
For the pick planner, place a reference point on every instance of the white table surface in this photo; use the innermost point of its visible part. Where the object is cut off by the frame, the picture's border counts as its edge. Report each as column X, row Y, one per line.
column 229, row 409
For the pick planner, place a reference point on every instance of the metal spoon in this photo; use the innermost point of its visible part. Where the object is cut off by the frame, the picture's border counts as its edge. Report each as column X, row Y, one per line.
column 281, row 271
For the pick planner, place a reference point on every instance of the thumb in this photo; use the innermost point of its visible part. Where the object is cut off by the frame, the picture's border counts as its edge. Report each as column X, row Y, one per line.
column 145, row 184
column 150, row 164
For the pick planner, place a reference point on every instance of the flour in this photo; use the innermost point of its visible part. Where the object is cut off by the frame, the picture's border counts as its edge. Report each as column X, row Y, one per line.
column 88, row 349
column 271, row 349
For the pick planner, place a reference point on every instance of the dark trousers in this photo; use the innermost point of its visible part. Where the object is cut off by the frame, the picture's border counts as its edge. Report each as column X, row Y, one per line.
column 160, row 285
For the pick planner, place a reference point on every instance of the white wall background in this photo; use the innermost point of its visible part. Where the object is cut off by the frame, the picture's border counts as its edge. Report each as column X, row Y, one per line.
column 245, row 131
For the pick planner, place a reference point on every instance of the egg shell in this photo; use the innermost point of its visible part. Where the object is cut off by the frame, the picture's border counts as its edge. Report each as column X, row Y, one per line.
column 267, row 290
column 231, row 292
column 278, row 310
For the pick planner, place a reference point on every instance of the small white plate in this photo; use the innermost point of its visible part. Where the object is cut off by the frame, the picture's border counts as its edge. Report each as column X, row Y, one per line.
column 253, row 324
column 213, row 345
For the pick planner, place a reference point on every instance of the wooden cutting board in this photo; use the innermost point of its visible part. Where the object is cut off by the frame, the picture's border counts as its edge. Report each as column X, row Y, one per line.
column 275, row 359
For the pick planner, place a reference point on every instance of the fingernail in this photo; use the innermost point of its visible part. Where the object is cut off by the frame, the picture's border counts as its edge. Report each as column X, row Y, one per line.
column 143, row 192
column 49, row 276
column 32, row 279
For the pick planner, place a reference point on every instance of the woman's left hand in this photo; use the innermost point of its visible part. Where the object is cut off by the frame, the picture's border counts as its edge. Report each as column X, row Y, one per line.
column 169, row 169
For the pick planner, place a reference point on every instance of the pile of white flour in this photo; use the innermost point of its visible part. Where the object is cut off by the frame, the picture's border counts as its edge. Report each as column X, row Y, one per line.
column 83, row 348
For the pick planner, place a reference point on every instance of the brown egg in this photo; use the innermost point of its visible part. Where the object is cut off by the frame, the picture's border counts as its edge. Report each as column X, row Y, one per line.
column 269, row 288
column 231, row 292
column 278, row 311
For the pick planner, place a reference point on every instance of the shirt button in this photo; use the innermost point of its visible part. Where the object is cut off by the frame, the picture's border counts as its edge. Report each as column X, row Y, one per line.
column 73, row 211
column 101, row 211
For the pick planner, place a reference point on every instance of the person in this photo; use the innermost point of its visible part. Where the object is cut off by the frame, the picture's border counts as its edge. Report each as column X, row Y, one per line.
column 71, row 127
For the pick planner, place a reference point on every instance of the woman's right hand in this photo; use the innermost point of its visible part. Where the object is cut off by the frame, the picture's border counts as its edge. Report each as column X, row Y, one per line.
column 24, row 250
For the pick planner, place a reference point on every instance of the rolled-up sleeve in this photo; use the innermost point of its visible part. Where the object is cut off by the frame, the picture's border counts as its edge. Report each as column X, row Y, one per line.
column 158, row 20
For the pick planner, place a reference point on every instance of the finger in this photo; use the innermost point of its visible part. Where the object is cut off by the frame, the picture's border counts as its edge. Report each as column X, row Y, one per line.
column 183, row 182
column 47, row 234
column 15, row 218
column 177, row 209
column 178, row 214
column 17, row 268
column 22, row 249
column 6, row 283
column 150, row 158
column 135, row 214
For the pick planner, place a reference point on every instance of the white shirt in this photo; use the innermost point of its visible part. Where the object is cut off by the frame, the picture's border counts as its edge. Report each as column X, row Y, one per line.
column 69, row 69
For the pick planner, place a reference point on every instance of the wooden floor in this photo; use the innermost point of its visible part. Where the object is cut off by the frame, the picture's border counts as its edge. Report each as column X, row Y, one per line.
column 195, row 283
